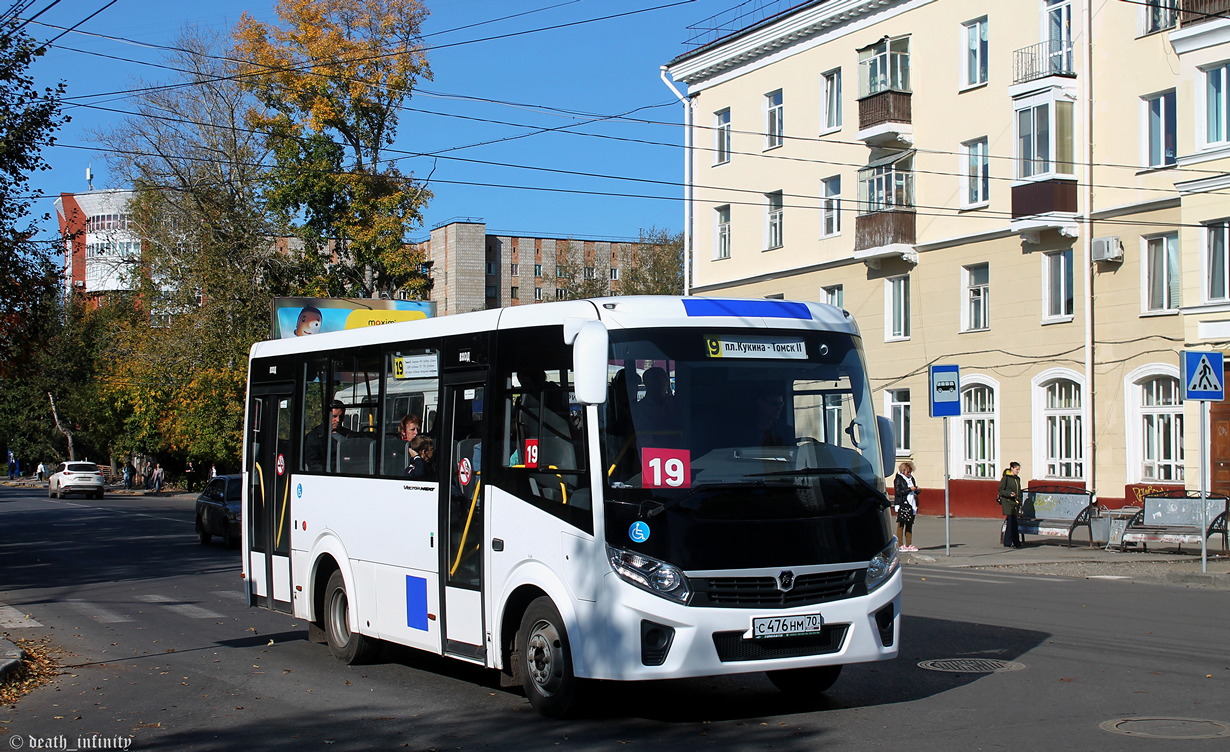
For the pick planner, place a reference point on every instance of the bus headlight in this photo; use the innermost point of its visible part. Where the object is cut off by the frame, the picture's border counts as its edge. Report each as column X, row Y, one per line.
column 882, row 566
column 648, row 573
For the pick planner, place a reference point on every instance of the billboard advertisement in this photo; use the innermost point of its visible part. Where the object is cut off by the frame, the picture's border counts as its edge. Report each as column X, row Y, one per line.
column 297, row 317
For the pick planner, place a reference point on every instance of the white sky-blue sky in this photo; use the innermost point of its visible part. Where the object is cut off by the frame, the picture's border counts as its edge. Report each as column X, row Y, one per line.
column 606, row 67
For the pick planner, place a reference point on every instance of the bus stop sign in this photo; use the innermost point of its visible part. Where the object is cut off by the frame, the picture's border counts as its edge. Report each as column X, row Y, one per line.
column 945, row 391
column 1203, row 376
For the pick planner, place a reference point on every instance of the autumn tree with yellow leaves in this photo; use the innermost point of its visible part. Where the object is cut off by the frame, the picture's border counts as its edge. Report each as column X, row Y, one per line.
column 331, row 80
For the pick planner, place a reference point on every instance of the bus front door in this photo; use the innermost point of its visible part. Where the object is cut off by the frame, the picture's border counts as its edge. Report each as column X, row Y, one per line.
column 268, row 514
column 463, row 492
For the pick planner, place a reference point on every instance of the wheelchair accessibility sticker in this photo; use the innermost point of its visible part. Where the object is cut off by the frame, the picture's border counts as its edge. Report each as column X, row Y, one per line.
column 638, row 532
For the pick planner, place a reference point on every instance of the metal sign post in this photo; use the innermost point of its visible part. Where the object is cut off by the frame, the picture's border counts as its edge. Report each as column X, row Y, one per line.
column 946, row 402
column 1203, row 380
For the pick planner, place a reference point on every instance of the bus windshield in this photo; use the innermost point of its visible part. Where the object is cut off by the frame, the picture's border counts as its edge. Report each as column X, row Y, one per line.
column 762, row 440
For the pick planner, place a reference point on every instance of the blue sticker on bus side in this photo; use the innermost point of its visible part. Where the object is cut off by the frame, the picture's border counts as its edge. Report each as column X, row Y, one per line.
column 416, row 603
column 638, row 532
column 769, row 309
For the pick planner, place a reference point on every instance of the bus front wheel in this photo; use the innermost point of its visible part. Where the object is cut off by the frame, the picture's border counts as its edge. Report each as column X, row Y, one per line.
column 348, row 647
column 802, row 681
column 546, row 661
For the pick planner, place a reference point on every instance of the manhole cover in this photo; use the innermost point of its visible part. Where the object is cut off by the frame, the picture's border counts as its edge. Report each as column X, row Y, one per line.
column 1167, row 728
column 970, row 665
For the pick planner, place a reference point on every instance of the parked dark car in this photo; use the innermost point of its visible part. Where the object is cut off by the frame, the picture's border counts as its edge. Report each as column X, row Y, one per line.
column 218, row 510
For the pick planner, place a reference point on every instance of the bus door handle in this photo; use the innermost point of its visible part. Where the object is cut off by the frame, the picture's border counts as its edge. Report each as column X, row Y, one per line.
column 497, row 544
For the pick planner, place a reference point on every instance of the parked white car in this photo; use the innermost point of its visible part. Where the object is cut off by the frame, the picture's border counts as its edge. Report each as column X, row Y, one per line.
column 76, row 477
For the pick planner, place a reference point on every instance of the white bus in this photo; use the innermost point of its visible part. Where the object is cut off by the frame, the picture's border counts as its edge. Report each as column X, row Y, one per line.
column 623, row 489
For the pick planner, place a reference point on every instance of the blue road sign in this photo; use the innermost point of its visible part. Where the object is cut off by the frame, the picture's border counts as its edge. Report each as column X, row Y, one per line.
column 945, row 391
column 1203, row 376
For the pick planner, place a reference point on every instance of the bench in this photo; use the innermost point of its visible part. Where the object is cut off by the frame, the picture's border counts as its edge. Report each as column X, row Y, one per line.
column 1056, row 511
column 1175, row 517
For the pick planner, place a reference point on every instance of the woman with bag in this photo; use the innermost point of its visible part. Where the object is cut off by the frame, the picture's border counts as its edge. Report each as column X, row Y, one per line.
column 905, row 497
column 1010, row 504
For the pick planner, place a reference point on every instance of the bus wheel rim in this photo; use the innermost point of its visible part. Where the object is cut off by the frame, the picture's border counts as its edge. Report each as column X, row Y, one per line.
column 541, row 657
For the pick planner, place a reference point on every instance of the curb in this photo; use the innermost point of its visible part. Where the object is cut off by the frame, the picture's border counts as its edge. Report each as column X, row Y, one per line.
column 11, row 657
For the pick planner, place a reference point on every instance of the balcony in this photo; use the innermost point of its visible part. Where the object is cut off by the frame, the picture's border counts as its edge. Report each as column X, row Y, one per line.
column 1042, row 60
column 1199, row 11
column 891, row 232
column 1044, row 205
column 886, row 117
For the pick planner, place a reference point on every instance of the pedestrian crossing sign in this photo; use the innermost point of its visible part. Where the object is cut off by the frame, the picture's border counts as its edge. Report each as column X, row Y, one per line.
column 1203, row 376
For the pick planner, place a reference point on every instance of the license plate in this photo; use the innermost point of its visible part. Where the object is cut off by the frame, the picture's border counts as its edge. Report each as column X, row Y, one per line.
column 764, row 627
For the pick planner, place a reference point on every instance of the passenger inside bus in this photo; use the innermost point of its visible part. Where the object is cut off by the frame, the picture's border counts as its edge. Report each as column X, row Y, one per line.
column 316, row 444
column 397, row 446
column 768, row 427
column 422, row 458
column 622, row 460
column 657, row 425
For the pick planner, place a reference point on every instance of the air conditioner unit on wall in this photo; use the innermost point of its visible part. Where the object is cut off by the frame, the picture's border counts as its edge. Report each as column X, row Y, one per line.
column 1109, row 248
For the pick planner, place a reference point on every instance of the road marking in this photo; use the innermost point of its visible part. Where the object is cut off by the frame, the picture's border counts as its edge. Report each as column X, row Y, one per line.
column 975, row 575
column 181, row 608
column 11, row 618
column 96, row 612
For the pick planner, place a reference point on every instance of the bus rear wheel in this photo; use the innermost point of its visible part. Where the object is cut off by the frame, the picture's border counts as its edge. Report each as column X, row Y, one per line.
column 348, row 647
column 805, row 681
column 545, row 659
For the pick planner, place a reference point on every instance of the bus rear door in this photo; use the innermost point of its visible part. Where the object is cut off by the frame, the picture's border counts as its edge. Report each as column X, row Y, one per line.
column 270, row 416
column 462, row 493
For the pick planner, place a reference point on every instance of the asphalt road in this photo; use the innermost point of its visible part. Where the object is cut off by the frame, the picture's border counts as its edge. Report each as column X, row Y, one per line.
column 159, row 648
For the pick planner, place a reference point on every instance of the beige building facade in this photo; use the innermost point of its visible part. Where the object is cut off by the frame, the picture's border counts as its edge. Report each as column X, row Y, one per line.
column 1035, row 191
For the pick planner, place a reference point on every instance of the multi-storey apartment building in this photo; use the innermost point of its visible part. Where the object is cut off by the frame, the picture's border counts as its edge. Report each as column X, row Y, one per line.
column 101, row 247
column 1036, row 191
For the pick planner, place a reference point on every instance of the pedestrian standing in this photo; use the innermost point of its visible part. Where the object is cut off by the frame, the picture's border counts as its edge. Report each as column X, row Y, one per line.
column 213, row 471
column 128, row 473
column 905, row 497
column 157, row 477
column 42, row 470
column 1010, row 504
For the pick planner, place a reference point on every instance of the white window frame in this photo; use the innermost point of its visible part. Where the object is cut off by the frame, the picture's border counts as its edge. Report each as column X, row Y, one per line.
column 884, row 66
column 1057, row 29
column 721, row 137
column 1058, row 286
column 1160, row 274
column 976, row 313
column 897, row 408
column 538, row 294
column 1062, row 425
column 976, row 177
column 977, row 428
column 774, row 231
column 775, row 113
column 1215, row 264
column 614, row 273
column 1154, row 427
column 834, row 295
column 1046, row 148
column 887, row 186
column 721, row 236
column 1216, row 105
column 830, row 101
column 1158, row 15
column 1159, row 129
column 975, row 65
column 897, row 308
column 513, row 269
column 830, row 207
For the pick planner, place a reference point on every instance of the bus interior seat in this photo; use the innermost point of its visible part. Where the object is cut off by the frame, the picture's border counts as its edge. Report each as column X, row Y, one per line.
column 356, row 455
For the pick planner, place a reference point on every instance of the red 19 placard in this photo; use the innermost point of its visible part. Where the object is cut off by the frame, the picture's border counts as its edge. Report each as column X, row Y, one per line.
column 666, row 468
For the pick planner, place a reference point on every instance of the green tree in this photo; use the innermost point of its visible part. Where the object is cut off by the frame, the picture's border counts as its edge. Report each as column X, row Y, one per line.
column 29, row 118
column 654, row 265
column 332, row 79
column 581, row 270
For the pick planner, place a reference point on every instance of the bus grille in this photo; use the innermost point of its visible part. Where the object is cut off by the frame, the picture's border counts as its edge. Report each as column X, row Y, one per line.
column 762, row 592
column 731, row 646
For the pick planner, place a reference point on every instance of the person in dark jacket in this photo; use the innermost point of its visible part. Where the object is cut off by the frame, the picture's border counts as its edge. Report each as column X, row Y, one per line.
column 1010, row 503
column 905, row 498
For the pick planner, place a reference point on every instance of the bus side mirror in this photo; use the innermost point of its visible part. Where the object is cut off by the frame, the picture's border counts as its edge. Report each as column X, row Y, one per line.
column 589, row 358
column 888, row 444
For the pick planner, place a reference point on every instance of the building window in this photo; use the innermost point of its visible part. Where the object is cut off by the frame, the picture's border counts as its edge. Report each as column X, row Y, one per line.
column 1044, row 138
column 614, row 273
column 1059, row 34
column 491, row 269
column 1162, row 273
column 721, row 135
column 512, row 293
column 490, row 291
column 1057, row 294
column 897, row 307
column 978, row 431
column 1160, row 15
column 976, row 52
column 884, row 66
column 1064, row 450
column 887, row 183
column 830, row 206
column 560, row 293
column 1217, row 104
column 977, row 172
column 1161, row 129
column 588, row 272
column 774, row 127
column 830, row 96
column 1216, row 242
column 898, row 408
column 834, row 295
column 1161, row 429
column 537, row 270
column 722, row 251
column 537, row 293
column 512, row 270
column 977, row 297
column 561, row 272
column 773, row 220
